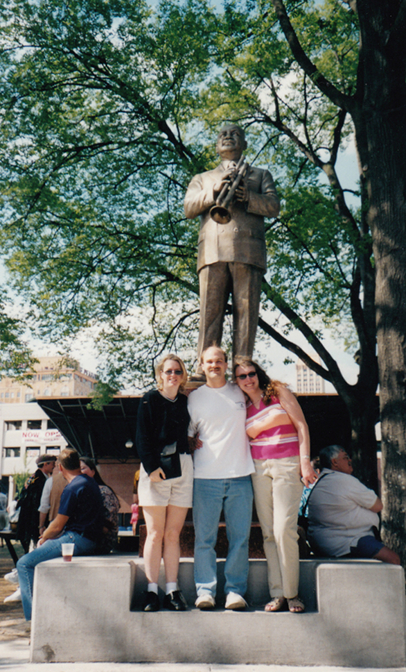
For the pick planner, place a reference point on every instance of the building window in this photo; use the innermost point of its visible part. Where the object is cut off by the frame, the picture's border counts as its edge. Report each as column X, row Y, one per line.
column 11, row 452
column 7, row 395
column 28, row 396
column 47, row 376
column 53, row 450
column 34, row 424
column 12, row 425
column 33, row 451
column 18, row 394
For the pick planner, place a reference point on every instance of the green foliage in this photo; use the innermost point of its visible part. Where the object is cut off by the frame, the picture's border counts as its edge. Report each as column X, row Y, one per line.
column 20, row 479
column 110, row 108
column 15, row 355
column 102, row 395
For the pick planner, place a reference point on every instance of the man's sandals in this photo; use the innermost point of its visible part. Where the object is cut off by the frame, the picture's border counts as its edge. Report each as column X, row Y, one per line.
column 294, row 604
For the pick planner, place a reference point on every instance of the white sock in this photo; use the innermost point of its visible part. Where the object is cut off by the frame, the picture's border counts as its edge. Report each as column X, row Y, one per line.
column 153, row 588
column 171, row 586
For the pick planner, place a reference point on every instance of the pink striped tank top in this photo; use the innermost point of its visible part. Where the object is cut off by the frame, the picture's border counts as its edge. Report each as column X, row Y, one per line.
column 281, row 440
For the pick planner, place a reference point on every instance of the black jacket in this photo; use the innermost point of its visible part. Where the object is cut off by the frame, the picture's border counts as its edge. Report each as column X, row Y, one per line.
column 160, row 422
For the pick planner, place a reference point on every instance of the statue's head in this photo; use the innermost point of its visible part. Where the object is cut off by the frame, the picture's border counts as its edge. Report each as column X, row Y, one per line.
column 231, row 142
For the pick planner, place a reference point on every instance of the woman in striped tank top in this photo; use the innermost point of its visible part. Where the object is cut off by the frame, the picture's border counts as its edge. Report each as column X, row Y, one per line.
column 280, row 446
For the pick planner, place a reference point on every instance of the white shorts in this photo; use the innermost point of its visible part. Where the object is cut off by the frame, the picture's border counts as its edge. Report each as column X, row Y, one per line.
column 174, row 491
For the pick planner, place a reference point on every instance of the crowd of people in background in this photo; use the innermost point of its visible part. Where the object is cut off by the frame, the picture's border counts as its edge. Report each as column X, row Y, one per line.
column 218, row 449
column 64, row 501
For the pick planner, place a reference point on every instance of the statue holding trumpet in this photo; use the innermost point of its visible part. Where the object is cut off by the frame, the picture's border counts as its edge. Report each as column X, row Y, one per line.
column 231, row 201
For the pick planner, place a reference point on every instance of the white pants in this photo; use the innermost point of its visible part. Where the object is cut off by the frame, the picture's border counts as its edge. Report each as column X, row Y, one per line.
column 277, row 492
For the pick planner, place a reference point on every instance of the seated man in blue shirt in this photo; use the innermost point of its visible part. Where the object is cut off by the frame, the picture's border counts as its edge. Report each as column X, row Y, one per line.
column 79, row 521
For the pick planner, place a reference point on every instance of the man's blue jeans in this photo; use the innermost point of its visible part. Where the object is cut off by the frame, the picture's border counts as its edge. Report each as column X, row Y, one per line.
column 210, row 496
column 50, row 549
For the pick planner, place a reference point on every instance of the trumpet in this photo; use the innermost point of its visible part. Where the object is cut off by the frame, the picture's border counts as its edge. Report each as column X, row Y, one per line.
column 219, row 212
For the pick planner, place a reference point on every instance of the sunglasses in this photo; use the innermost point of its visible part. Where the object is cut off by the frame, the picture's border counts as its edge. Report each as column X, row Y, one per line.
column 177, row 372
column 243, row 376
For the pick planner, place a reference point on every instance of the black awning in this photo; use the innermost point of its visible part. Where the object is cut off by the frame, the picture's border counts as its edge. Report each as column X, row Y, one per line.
column 105, row 433
column 97, row 433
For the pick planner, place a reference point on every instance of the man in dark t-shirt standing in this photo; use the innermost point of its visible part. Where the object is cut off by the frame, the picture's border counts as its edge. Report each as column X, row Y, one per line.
column 79, row 521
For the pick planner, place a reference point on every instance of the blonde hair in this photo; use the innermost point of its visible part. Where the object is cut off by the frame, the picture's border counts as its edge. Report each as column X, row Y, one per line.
column 160, row 367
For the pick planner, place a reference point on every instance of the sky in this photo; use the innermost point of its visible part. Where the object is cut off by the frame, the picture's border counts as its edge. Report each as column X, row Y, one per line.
column 268, row 352
column 273, row 355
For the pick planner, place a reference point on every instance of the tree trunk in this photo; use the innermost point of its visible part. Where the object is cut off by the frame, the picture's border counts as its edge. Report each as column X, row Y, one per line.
column 384, row 115
column 363, row 417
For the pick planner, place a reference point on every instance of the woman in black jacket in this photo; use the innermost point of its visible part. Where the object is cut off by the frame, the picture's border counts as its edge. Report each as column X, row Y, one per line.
column 166, row 478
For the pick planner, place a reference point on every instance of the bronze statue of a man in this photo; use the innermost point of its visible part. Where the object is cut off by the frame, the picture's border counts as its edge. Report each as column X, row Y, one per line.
column 231, row 256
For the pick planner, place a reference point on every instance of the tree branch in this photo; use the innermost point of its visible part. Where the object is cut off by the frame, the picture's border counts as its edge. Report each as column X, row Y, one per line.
column 337, row 136
column 335, row 375
column 396, row 41
column 337, row 97
column 296, row 349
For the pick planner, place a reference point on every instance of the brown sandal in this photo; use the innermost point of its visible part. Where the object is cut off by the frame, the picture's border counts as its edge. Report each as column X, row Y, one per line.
column 295, row 605
column 276, row 604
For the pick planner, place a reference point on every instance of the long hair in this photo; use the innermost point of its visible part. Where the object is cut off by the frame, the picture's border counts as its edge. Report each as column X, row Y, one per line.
column 160, row 367
column 269, row 387
column 92, row 465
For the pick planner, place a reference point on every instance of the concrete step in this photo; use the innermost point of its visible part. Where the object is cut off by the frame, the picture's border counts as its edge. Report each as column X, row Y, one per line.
column 187, row 541
column 89, row 610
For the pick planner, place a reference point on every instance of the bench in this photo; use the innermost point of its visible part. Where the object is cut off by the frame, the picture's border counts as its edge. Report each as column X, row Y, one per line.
column 89, row 610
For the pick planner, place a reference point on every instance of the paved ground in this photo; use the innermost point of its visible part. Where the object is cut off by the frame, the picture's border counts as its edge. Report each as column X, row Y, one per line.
column 12, row 623
column 14, row 646
column 14, row 656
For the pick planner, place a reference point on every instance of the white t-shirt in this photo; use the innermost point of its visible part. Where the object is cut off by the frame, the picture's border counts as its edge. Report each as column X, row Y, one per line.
column 218, row 414
column 339, row 513
column 45, row 503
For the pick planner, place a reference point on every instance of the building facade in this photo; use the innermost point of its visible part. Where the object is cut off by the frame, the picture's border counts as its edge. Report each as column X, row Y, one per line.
column 307, row 381
column 25, row 433
column 51, row 378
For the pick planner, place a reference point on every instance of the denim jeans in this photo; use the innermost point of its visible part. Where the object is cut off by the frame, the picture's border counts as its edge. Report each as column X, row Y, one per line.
column 210, row 496
column 50, row 549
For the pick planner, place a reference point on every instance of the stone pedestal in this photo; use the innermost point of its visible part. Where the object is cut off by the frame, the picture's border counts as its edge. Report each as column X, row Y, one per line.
column 88, row 610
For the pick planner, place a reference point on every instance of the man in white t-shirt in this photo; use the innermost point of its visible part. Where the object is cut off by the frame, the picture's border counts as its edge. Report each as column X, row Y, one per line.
column 343, row 513
column 222, row 482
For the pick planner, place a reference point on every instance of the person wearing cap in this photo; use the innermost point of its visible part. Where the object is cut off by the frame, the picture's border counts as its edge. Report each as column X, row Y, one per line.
column 50, row 498
column 29, row 500
column 79, row 521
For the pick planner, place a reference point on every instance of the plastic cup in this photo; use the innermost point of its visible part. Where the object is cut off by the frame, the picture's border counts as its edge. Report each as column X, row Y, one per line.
column 67, row 552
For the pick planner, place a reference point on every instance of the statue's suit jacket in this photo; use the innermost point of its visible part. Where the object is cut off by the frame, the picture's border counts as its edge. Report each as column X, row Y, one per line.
column 243, row 238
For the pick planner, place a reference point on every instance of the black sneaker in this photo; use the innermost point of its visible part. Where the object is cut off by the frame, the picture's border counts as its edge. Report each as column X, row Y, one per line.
column 151, row 601
column 175, row 601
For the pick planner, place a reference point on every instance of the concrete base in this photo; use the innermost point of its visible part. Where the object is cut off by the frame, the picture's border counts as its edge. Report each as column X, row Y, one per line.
column 87, row 611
